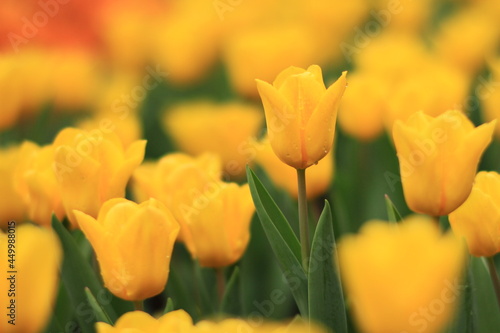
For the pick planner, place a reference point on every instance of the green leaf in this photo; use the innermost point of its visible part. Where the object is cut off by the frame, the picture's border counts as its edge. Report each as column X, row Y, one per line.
column 488, row 311
column 231, row 301
column 268, row 207
column 392, row 211
column 169, row 307
column 326, row 298
column 283, row 241
column 76, row 276
column 97, row 308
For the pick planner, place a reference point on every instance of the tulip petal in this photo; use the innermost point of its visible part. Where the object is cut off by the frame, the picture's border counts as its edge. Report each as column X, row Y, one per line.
column 324, row 117
column 283, row 125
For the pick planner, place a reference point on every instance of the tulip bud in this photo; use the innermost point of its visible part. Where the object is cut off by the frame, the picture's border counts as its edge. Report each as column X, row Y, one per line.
column 133, row 244
column 37, row 184
column 29, row 291
column 93, row 167
column 301, row 114
column 438, row 158
column 478, row 218
column 141, row 322
column 411, row 267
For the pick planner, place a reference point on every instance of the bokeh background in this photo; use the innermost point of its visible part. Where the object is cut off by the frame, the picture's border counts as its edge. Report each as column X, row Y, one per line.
column 181, row 74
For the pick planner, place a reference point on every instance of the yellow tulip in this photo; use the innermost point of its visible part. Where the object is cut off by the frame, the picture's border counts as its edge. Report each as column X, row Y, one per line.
column 93, row 167
column 319, row 176
column 11, row 205
column 141, row 322
column 301, row 114
column 215, row 215
column 364, row 105
column 128, row 128
column 186, row 41
column 438, row 159
column 33, row 288
column 410, row 267
column 223, row 129
column 158, row 179
column 447, row 90
column 37, row 183
column 133, row 244
column 264, row 50
column 478, row 218
column 241, row 325
column 466, row 37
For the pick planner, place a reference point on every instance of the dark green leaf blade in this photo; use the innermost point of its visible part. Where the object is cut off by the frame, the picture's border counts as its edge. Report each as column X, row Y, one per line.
column 392, row 212
column 326, row 298
column 76, row 276
column 282, row 239
column 275, row 215
column 97, row 308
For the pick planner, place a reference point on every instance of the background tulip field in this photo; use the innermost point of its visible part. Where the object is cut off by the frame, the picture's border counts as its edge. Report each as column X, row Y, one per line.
column 148, row 155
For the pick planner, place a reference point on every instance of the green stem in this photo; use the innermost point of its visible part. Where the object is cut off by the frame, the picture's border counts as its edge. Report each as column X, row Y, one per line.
column 139, row 305
column 221, row 284
column 303, row 223
column 494, row 277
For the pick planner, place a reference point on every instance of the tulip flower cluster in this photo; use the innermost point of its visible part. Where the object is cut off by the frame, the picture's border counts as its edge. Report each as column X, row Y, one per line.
column 176, row 166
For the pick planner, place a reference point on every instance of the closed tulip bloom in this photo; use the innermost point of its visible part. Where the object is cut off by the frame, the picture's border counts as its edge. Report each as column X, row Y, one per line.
column 438, row 158
column 411, row 266
column 158, row 180
column 133, row 243
column 38, row 255
column 37, row 184
column 93, row 167
column 478, row 218
column 223, row 129
column 215, row 216
column 319, row 176
column 11, row 206
column 141, row 322
column 301, row 114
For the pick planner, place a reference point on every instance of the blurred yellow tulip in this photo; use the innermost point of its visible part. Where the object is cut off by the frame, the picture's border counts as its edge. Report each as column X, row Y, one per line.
column 31, row 291
column 465, row 38
column 141, row 322
column 364, row 105
column 158, row 180
column 133, row 244
column 11, row 205
column 438, row 158
column 263, row 51
column 446, row 91
column 186, row 42
column 37, row 184
column 215, row 215
column 301, row 114
column 241, row 325
column 93, row 167
column 411, row 267
column 128, row 128
column 478, row 218
column 223, row 129
column 319, row 176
